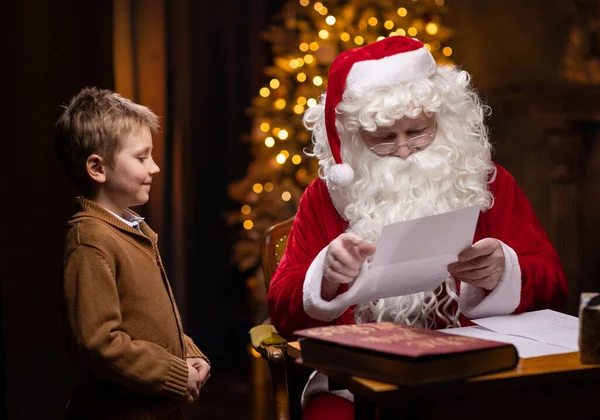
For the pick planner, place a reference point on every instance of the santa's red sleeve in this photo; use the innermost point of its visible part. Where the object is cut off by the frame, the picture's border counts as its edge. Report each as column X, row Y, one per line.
column 533, row 278
column 316, row 224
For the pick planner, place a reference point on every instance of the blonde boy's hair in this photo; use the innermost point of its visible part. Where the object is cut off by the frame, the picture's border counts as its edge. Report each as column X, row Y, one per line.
column 95, row 122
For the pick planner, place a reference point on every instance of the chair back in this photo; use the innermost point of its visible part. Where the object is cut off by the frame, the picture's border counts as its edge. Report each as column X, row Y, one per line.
column 272, row 247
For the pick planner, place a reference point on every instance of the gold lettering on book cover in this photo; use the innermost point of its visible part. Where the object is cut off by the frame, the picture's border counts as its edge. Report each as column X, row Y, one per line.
column 405, row 334
column 365, row 329
column 411, row 338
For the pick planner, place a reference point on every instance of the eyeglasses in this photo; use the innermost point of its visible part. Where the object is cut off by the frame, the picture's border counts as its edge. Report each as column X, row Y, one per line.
column 420, row 140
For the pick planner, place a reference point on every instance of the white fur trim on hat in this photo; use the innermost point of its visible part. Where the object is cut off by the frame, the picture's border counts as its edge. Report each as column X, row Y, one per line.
column 503, row 300
column 398, row 68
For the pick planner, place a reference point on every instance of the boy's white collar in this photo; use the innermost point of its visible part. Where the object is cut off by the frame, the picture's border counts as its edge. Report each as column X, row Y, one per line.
column 131, row 220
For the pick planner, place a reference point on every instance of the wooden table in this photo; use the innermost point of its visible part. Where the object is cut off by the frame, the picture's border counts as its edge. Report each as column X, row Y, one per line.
column 548, row 387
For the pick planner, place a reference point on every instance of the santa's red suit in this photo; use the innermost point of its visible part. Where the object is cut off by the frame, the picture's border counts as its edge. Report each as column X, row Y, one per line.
column 533, row 277
column 537, row 271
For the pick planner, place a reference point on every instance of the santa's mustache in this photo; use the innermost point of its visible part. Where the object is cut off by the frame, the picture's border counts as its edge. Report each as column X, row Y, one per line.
column 433, row 162
column 383, row 173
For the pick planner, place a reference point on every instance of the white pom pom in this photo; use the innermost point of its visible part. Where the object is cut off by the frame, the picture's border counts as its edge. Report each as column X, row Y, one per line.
column 340, row 174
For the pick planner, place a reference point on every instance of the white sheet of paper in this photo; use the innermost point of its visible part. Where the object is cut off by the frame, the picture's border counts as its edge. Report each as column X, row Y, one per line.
column 413, row 256
column 525, row 346
column 545, row 326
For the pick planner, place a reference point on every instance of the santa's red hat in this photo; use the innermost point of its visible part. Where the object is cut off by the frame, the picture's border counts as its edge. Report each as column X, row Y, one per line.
column 385, row 62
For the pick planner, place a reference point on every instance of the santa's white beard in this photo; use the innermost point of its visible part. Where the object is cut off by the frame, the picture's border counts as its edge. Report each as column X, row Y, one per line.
column 388, row 190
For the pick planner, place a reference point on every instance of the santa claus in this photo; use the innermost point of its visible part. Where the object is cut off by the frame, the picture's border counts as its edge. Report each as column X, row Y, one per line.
column 398, row 137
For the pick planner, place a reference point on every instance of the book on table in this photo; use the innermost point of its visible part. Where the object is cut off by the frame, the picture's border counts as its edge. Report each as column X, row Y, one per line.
column 400, row 354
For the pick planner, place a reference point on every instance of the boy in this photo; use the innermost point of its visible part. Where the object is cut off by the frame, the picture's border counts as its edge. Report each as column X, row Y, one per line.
column 121, row 321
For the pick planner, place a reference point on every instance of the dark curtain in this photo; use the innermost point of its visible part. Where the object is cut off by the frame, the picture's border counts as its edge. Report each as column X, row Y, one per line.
column 228, row 58
column 54, row 48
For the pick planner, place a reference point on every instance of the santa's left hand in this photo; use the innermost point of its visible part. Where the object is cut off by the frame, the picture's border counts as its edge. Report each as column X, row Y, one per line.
column 480, row 265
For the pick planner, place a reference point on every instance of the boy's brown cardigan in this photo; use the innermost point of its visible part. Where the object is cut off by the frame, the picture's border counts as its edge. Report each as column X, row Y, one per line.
column 121, row 321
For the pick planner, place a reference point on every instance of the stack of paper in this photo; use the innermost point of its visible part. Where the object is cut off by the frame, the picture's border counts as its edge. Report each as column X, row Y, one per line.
column 537, row 333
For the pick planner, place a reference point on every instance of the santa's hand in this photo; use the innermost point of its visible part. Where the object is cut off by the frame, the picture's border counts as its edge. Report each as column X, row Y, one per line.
column 345, row 256
column 480, row 265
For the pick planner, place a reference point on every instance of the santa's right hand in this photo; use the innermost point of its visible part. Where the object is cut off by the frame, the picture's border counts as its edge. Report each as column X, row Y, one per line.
column 344, row 258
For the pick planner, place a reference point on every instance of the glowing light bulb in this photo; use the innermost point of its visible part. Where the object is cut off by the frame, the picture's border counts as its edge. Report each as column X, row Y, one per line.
column 447, row 51
column 264, row 127
column 330, row 20
column 246, row 209
column 248, row 225
column 269, row 142
column 257, row 188
column 402, row 12
column 264, row 92
column 283, row 134
column 280, row 103
column 286, row 196
column 301, row 77
column 431, row 28
column 345, row 36
column 274, row 83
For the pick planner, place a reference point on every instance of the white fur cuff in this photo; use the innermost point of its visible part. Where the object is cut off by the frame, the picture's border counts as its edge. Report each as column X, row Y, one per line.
column 314, row 305
column 503, row 300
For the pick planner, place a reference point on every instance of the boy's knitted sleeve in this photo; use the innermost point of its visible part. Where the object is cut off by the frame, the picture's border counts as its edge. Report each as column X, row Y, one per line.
column 93, row 329
column 193, row 350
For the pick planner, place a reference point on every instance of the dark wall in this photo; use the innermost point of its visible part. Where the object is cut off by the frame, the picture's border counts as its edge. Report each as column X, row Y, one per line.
column 57, row 48
column 503, row 43
column 507, row 46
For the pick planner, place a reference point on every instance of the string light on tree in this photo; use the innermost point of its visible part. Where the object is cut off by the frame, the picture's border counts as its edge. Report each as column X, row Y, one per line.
column 305, row 38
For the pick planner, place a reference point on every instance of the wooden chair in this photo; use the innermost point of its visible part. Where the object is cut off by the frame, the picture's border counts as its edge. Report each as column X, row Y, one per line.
column 264, row 337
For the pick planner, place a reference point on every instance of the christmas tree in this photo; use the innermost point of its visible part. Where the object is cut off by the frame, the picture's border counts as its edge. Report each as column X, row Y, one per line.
column 305, row 37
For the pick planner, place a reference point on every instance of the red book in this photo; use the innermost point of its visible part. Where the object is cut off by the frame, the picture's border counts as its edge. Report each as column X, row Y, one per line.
column 401, row 354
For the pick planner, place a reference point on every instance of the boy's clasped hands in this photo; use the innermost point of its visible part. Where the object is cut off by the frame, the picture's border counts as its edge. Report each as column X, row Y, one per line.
column 198, row 374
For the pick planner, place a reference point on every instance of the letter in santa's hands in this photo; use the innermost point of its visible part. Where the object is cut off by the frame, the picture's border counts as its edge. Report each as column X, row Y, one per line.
column 413, row 256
